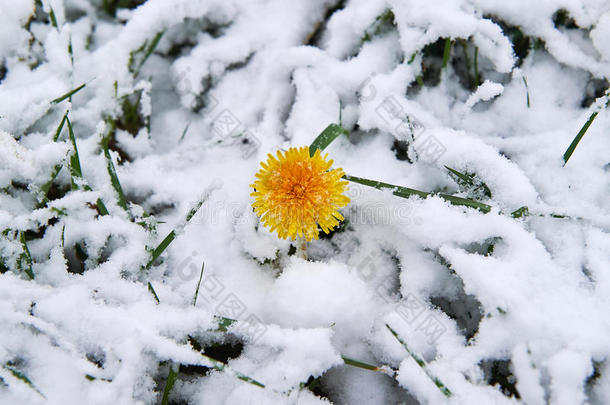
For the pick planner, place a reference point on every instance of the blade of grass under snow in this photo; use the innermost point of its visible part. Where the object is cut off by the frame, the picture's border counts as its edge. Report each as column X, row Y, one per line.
column 146, row 49
column 198, row 284
column 446, row 52
column 568, row 153
column 469, row 181
column 154, row 294
column 326, row 137
column 422, row 364
column 172, row 235
column 169, row 384
column 220, row 366
column 114, row 180
column 24, row 262
column 22, row 377
column 360, row 364
column 68, row 94
column 406, row 192
column 76, row 174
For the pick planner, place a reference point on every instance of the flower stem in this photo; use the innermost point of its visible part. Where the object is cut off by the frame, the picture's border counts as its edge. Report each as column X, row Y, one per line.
column 301, row 248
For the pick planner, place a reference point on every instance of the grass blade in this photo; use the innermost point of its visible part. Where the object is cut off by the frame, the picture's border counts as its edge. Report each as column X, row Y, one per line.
column 360, row 364
column 601, row 103
column 224, row 323
column 446, row 52
column 527, row 91
column 75, row 169
column 68, row 94
column 184, row 132
column 581, row 133
column 114, row 181
column 468, row 180
column 169, row 384
column 220, row 366
column 421, row 363
column 326, row 137
column 146, row 49
column 172, row 235
column 60, row 127
column 154, row 294
column 477, row 81
column 406, row 192
column 76, row 173
column 198, row 284
column 22, row 377
column 24, row 262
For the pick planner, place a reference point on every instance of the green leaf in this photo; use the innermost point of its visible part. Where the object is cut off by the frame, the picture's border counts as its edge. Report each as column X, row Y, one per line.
column 406, row 192
column 469, row 181
column 360, row 364
column 224, row 323
column 422, row 364
column 24, row 262
column 520, row 212
column 198, row 284
column 114, row 181
column 172, row 235
column 52, row 18
column 68, row 94
column 145, row 50
column 169, row 384
column 326, row 137
column 76, row 173
column 75, row 169
column 446, row 52
column 60, row 127
column 152, row 291
column 20, row 376
column 568, row 153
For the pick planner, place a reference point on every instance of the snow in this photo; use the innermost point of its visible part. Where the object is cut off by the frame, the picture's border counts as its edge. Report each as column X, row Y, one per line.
column 493, row 304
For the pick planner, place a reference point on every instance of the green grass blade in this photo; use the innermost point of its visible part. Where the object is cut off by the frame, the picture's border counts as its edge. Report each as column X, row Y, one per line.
column 224, row 323
column 154, row 294
column 198, row 285
column 406, row 192
column 476, row 67
column 360, row 364
column 161, row 248
column 53, row 18
column 68, row 94
column 220, row 366
column 47, row 186
column 101, row 208
column 75, row 168
column 24, row 262
column 184, row 132
column 468, row 180
column 520, row 212
column 326, row 137
column 527, row 91
column 581, row 133
column 421, row 363
column 60, row 127
column 172, row 235
column 22, row 377
column 146, row 49
column 114, row 181
column 169, row 384
column 446, row 52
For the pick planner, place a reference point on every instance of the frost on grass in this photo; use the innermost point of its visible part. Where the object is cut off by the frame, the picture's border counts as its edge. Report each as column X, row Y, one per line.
column 101, row 252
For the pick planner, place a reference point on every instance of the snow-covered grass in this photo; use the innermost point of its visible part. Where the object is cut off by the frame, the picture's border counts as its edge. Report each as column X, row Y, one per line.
column 473, row 262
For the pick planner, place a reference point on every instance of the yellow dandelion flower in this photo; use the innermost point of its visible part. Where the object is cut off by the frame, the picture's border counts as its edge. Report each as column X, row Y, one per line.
column 294, row 193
